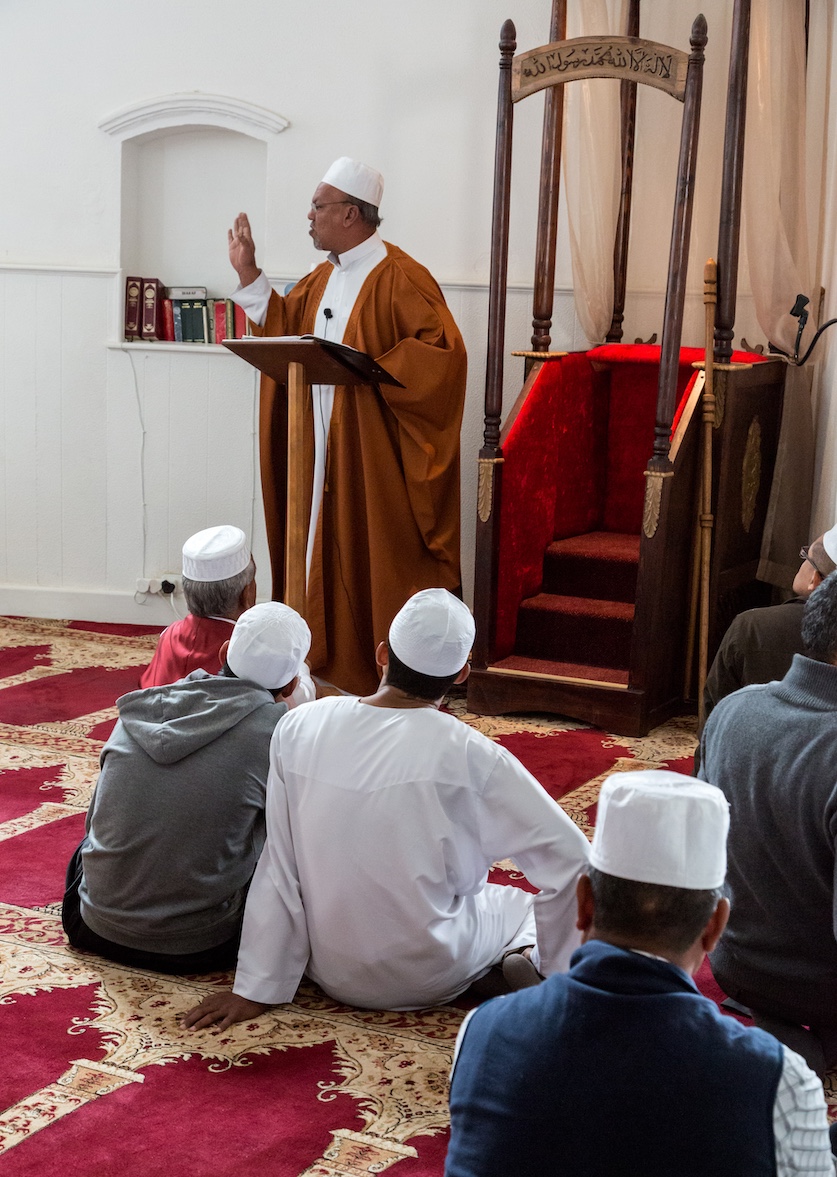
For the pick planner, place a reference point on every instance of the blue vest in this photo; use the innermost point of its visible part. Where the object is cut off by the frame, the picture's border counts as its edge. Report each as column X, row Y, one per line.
column 619, row 1068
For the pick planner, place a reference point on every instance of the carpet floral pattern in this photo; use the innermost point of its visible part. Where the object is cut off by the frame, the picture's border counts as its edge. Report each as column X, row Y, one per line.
column 98, row 1071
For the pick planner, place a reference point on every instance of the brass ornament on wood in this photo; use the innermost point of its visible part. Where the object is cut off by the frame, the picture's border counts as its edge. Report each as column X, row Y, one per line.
column 751, row 474
column 653, row 499
column 485, row 487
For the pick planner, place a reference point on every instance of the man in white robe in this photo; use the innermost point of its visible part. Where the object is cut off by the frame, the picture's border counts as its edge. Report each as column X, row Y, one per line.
column 384, row 816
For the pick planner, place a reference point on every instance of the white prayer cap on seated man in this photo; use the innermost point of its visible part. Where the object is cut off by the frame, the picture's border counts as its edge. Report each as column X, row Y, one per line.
column 433, row 633
column 829, row 542
column 356, row 179
column 268, row 645
column 216, row 553
column 661, row 827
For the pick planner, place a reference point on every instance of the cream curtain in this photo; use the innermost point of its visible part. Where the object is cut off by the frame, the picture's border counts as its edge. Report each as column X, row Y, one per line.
column 776, row 237
column 593, row 173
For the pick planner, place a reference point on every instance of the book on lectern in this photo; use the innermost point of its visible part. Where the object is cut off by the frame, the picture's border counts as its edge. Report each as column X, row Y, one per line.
column 358, row 362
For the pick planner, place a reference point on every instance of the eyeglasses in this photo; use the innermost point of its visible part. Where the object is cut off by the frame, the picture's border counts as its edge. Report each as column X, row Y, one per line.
column 804, row 555
column 315, row 208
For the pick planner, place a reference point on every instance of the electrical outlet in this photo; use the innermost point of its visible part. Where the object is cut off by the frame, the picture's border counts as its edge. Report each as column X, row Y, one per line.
column 170, row 584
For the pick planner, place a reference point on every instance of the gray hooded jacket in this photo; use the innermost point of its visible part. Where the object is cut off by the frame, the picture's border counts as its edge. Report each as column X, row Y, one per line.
column 176, row 823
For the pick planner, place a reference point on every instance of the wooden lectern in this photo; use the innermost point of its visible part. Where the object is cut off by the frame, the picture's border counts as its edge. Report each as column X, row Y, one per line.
column 299, row 361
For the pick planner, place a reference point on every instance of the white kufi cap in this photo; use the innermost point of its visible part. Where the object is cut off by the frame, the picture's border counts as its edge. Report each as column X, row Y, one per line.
column 217, row 553
column 356, row 179
column 268, row 645
column 433, row 633
column 829, row 542
column 661, row 827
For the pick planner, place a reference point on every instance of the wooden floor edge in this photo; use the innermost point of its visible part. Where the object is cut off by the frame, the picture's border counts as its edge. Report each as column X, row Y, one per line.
column 577, row 682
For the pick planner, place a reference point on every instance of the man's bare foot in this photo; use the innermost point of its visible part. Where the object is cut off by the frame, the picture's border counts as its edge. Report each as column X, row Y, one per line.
column 518, row 970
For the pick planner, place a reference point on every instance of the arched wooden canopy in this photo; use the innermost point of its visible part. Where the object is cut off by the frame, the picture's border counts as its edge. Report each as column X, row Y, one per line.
column 632, row 59
column 521, row 661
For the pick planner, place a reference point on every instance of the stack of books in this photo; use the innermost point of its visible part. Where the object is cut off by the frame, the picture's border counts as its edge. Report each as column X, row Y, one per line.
column 179, row 314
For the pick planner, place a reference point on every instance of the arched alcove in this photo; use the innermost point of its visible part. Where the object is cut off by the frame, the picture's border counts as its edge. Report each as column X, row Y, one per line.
column 189, row 163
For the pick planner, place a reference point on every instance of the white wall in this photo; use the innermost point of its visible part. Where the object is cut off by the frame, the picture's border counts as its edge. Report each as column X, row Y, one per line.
column 111, row 457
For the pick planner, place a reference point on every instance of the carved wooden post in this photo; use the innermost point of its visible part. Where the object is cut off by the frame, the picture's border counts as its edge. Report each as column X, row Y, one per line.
column 733, row 170
column 679, row 253
column 547, row 233
column 707, row 521
column 627, row 103
column 490, row 457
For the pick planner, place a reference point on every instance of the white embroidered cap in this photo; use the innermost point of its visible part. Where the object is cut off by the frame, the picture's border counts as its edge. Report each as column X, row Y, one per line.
column 356, row 179
column 268, row 645
column 433, row 633
column 217, row 553
column 829, row 542
column 660, row 827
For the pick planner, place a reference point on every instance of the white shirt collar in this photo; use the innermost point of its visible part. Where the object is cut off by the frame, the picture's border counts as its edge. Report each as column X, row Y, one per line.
column 358, row 252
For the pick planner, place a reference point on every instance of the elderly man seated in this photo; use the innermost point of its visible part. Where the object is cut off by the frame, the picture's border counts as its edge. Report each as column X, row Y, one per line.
column 384, row 817
column 219, row 583
column 760, row 644
column 176, row 823
column 621, row 1066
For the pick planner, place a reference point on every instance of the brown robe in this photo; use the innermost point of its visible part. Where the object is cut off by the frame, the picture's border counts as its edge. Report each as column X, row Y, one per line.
column 389, row 521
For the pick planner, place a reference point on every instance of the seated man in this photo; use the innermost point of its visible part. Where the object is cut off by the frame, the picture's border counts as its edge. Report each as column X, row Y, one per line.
column 219, row 583
column 772, row 749
column 176, row 823
column 384, row 817
column 621, row 1066
column 760, row 644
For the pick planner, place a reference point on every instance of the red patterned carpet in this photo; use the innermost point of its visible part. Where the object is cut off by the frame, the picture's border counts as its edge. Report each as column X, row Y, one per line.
column 97, row 1074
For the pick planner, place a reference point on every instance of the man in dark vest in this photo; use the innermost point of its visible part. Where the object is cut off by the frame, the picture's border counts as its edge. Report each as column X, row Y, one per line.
column 621, row 1066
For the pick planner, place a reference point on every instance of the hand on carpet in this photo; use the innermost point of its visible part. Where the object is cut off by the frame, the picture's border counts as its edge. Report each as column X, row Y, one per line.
column 225, row 1007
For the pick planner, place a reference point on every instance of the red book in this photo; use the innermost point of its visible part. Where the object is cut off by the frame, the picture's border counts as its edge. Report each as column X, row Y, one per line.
column 152, row 309
column 168, row 320
column 133, row 291
column 240, row 320
column 220, row 320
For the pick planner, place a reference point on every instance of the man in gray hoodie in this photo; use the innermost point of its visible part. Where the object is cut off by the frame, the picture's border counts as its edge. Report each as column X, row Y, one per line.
column 176, row 823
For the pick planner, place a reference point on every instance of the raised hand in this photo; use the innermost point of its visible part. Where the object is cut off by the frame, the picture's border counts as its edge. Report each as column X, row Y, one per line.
column 243, row 250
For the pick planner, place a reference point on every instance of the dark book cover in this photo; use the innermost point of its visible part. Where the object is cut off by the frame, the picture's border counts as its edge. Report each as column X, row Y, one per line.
column 203, row 321
column 189, row 319
column 133, row 297
column 177, row 317
column 356, row 361
column 152, row 309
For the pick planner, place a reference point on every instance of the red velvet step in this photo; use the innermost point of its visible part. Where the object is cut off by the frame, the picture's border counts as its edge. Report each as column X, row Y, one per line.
column 575, row 629
column 600, row 564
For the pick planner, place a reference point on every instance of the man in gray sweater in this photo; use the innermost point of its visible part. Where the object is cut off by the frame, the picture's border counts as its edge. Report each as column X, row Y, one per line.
column 176, row 823
column 772, row 749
